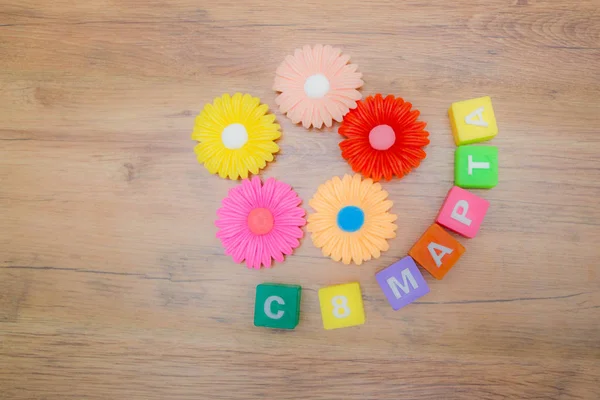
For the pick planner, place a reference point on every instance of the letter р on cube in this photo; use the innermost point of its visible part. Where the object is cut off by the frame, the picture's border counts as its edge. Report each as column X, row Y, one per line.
column 476, row 167
column 436, row 251
column 473, row 120
column 341, row 306
column 277, row 305
column 463, row 212
column 402, row 283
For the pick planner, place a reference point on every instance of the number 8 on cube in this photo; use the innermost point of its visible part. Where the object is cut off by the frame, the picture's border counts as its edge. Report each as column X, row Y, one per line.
column 341, row 306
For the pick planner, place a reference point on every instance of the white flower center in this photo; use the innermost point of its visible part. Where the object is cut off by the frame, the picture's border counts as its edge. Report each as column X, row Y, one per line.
column 234, row 136
column 316, row 86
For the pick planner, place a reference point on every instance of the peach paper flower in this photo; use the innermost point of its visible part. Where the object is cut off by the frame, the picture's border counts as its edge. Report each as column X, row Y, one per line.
column 317, row 86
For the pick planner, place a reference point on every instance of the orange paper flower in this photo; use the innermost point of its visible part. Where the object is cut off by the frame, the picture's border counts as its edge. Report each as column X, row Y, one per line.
column 317, row 86
column 383, row 138
column 351, row 222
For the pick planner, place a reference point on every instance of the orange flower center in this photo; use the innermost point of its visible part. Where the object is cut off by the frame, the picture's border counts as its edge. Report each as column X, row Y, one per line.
column 382, row 137
column 260, row 221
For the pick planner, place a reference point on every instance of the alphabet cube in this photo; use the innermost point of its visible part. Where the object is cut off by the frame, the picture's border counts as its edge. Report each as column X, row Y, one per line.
column 473, row 120
column 437, row 251
column 277, row 305
column 341, row 306
column 476, row 167
column 463, row 212
column 402, row 283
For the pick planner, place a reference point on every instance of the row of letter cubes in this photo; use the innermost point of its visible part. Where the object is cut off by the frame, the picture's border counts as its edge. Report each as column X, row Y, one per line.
column 474, row 121
column 278, row 306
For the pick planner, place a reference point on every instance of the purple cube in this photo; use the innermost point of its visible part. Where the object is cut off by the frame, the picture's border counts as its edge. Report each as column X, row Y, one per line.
column 402, row 283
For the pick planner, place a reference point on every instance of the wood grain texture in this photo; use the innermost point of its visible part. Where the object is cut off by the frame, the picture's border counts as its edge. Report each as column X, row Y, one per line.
column 113, row 285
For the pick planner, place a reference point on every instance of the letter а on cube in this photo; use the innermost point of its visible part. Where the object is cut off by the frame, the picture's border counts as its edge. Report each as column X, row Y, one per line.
column 473, row 120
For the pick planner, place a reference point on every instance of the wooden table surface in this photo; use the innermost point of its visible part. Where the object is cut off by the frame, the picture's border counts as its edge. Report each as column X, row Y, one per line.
column 113, row 285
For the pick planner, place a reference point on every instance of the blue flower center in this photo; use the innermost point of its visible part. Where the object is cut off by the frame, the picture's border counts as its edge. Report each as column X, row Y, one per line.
column 350, row 219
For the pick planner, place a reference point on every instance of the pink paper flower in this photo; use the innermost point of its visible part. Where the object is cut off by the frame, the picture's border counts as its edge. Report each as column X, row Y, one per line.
column 259, row 222
column 317, row 86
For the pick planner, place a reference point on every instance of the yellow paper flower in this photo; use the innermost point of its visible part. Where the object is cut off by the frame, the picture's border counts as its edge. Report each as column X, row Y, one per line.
column 236, row 136
column 351, row 222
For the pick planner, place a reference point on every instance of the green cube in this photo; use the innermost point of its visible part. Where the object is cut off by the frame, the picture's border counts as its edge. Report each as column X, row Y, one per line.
column 277, row 306
column 476, row 167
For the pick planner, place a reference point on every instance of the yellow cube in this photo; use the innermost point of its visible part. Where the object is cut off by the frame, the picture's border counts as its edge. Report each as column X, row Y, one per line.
column 473, row 120
column 341, row 306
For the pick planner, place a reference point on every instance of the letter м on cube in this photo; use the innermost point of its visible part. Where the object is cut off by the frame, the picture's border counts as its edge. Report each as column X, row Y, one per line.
column 402, row 283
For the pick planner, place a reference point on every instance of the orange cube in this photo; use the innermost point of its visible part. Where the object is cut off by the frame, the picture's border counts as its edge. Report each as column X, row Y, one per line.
column 437, row 251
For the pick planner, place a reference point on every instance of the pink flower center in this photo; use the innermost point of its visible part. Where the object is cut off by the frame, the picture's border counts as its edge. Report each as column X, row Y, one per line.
column 382, row 137
column 260, row 221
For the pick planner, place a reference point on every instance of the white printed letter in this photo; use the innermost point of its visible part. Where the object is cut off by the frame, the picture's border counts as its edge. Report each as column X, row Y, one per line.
column 437, row 257
column 406, row 276
column 461, row 217
column 268, row 311
column 479, row 121
column 477, row 165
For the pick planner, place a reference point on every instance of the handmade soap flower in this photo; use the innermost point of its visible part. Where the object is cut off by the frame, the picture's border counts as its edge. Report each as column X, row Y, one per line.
column 317, row 86
column 383, row 137
column 352, row 222
column 258, row 223
column 236, row 136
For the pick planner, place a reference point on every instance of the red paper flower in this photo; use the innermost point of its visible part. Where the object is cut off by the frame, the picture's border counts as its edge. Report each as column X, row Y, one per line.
column 383, row 137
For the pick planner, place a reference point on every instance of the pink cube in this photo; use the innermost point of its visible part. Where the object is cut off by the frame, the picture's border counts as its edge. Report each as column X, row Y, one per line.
column 463, row 212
